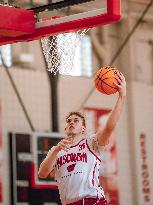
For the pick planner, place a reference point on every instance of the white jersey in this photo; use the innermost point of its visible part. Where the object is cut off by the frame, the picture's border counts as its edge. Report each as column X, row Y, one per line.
column 77, row 172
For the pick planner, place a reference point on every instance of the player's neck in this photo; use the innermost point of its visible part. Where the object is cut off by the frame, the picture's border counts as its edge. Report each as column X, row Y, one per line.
column 76, row 137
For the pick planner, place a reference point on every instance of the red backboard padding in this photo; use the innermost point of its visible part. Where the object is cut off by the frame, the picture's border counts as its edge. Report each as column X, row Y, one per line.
column 16, row 22
column 56, row 29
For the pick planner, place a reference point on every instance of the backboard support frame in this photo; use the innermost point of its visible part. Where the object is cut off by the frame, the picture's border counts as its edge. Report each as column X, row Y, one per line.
column 110, row 16
column 40, row 140
column 57, row 5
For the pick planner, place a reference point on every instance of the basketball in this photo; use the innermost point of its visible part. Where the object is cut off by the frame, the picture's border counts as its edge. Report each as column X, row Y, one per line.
column 104, row 80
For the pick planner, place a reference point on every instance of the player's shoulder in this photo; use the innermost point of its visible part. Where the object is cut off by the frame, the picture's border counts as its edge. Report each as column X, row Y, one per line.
column 93, row 143
column 91, row 137
column 91, row 140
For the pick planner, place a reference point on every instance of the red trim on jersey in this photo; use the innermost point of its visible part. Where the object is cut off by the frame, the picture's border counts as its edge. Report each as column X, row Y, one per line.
column 77, row 143
column 92, row 152
column 101, row 201
column 93, row 176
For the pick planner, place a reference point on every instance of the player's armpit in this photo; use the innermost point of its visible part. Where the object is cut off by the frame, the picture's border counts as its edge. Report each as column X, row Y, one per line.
column 94, row 145
column 103, row 135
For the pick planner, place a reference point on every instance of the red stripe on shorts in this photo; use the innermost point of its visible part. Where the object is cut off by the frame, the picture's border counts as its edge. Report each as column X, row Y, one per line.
column 90, row 201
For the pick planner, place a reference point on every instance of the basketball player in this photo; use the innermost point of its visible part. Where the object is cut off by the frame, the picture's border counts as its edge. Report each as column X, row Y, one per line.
column 76, row 159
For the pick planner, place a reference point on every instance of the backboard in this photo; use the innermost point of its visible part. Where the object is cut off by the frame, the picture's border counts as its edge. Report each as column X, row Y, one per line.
column 62, row 16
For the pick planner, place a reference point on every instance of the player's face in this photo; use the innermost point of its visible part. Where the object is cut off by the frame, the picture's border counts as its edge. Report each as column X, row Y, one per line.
column 74, row 125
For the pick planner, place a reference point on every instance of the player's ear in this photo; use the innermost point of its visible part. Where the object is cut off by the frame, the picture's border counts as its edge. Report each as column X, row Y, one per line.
column 83, row 129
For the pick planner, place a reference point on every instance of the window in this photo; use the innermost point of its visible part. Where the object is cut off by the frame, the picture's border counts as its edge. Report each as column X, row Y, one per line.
column 77, row 55
column 6, row 55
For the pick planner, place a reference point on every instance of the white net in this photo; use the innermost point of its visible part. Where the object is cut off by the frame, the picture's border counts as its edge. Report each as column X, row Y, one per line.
column 6, row 55
column 59, row 50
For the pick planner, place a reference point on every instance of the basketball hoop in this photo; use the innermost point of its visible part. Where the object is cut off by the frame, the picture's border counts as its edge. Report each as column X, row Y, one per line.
column 59, row 50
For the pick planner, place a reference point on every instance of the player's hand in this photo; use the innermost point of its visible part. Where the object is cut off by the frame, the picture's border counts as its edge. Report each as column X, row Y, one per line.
column 121, row 84
column 64, row 145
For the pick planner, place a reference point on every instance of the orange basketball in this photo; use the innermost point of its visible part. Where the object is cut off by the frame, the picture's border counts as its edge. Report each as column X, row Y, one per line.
column 105, row 79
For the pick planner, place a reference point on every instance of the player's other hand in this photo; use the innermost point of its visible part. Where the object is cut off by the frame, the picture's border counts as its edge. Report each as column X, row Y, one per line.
column 64, row 145
column 121, row 84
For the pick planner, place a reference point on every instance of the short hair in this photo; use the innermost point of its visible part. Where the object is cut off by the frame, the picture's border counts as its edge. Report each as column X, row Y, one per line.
column 79, row 114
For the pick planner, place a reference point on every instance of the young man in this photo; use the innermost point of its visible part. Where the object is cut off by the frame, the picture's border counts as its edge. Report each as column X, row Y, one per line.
column 76, row 159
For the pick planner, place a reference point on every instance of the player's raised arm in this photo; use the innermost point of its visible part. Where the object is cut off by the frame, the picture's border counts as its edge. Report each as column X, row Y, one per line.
column 104, row 132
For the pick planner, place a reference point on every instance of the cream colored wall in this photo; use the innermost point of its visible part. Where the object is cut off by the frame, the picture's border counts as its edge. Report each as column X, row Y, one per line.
column 135, row 62
column 34, row 90
column 140, row 90
column 143, row 120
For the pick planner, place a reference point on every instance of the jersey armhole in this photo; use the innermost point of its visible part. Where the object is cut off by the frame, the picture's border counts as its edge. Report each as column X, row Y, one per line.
column 92, row 151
